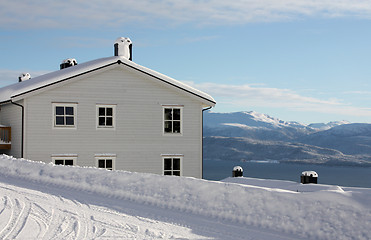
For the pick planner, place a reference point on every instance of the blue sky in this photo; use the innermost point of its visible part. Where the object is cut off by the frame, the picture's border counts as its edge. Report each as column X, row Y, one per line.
column 306, row 61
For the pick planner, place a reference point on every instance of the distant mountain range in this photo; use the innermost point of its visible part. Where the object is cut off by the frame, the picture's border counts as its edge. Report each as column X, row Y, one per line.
column 248, row 136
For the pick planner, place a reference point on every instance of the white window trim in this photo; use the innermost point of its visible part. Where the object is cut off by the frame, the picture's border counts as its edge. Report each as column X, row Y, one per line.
column 64, row 157
column 113, row 106
column 62, row 104
column 180, row 156
column 105, row 157
column 181, row 119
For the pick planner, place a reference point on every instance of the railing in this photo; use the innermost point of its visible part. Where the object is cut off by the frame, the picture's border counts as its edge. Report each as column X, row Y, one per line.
column 5, row 137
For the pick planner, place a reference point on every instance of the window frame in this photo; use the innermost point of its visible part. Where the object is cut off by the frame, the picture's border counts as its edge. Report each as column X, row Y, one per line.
column 172, row 107
column 105, row 157
column 64, row 158
column 172, row 157
column 64, row 105
column 98, row 106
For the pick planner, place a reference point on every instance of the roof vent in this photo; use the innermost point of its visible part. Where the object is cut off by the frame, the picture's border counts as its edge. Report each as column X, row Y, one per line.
column 24, row 77
column 69, row 62
column 123, row 48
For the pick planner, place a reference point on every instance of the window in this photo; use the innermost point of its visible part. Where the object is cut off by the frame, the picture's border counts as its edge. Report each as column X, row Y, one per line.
column 107, row 162
column 64, row 114
column 172, row 120
column 172, row 166
column 64, row 160
column 106, row 116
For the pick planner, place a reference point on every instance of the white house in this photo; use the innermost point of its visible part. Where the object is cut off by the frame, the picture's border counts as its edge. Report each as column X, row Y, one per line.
column 110, row 113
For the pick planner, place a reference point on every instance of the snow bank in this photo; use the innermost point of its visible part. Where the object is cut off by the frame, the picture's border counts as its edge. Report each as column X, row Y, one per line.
column 322, row 214
column 288, row 185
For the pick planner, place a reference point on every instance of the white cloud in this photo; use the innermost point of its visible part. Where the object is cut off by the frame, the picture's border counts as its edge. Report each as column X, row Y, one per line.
column 359, row 92
column 248, row 97
column 113, row 13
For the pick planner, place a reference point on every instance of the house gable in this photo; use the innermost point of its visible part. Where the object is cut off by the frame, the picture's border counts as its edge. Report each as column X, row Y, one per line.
column 208, row 100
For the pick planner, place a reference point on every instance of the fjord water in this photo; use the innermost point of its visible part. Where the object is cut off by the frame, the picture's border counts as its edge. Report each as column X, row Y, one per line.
column 333, row 175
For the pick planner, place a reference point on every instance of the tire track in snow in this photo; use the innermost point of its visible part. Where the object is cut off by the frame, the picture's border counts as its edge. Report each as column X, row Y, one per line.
column 67, row 229
column 17, row 214
column 124, row 223
column 63, row 225
column 52, row 228
column 18, row 219
column 21, row 212
column 42, row 218
column 6, row 214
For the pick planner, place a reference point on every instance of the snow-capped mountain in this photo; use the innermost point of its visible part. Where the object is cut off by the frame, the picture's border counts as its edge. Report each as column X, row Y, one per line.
column 250, row 119
column 351, row 139
column 245, row 136
column 255, row 119
column 326, row 126
column 253, row 125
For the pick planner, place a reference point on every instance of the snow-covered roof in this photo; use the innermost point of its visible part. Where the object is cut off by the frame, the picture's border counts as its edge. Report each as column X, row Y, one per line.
column 19, row 89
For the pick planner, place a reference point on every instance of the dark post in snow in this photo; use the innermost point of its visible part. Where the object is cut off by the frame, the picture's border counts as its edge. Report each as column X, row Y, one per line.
column 237, row 171
column 308, row 177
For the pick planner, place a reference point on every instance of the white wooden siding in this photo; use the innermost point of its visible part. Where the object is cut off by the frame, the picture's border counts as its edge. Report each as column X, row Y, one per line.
column 11, row 115
column 137, row 140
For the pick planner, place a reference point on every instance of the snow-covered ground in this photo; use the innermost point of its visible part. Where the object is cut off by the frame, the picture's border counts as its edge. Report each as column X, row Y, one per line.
column 44, row 201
